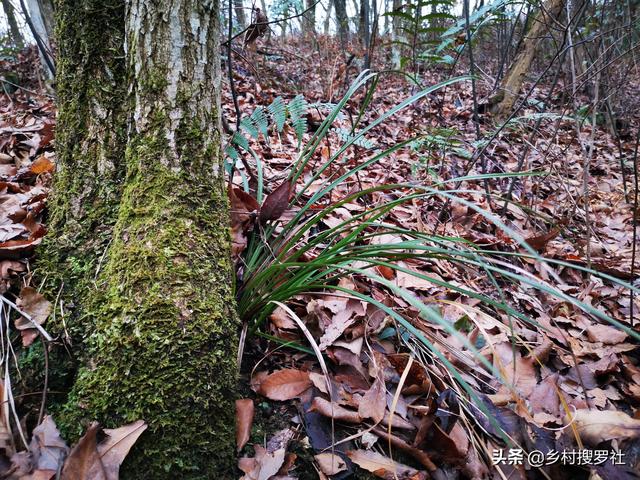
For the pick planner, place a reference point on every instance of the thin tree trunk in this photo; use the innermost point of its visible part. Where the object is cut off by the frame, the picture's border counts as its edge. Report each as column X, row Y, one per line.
column 33, row 16
column 385, row 7
column 241, row 18
column 396, row 34
column 16, row 34
column 163, row 328
column 512, row 83
column 47, row 14
column 327, row 20
column 343, row 21
column 364, row 23
column 309, row 22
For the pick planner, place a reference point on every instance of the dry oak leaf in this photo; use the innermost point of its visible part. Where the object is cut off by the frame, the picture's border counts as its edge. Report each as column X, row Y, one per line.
column 245, row 411
column 47, row 447
column 606, row 334
column 595, row 426
column 42, row 165
column 384, row 467
column 374, row 403
column 284, row 384
column 89, row 460
column 330, row 464
column 37, row 307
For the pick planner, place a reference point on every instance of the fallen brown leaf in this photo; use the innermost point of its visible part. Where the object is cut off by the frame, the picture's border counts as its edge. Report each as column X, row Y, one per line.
column 384, row 467
column 89, row 460
column 595, row 426
column 245, row 411
column 284, row 384
column 330, row 464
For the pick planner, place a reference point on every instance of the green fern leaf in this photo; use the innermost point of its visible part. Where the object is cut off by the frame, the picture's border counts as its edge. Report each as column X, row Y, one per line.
column 279, row 112
column 297, row 109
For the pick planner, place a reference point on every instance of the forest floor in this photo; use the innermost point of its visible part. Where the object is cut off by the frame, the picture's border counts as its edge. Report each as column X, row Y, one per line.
column 572, row 379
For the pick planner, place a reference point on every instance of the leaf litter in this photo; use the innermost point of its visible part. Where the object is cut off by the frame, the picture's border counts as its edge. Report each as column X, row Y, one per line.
column 564, row 380
column 565, row 373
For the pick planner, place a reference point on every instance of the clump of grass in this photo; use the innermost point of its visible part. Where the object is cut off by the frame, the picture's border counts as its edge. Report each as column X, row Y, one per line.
column 285, row 259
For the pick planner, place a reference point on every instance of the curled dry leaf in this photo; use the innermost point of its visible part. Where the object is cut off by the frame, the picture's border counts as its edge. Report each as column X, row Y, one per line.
column 47, row 447
column 245, row 411
column 384, row 467
column 328, row 409
column 37, row 307
column 271, row 461
column 264, row 465
column 242, row 207
column 595, row 426
column 330, row 464
column 374, row 403
column 89, row 460
column 42, row 165
column 284, row 384
column 276, row 202
column 16, row 249
column 319, row 381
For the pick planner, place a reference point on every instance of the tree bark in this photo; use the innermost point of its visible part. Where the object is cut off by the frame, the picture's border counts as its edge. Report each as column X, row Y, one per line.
column 34, row 19
column 512, row 82
column 90, row 148
column 16, row 34
column 364, row 27
column 309, row 22
column 241, row 18
column 47, row 12
column 160, row 311
column 327, row 19
column 343, row 21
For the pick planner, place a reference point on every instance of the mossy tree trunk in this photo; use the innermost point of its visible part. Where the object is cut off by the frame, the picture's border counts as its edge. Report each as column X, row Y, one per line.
column 154, row 290
column 90, row 148
column 503, row 102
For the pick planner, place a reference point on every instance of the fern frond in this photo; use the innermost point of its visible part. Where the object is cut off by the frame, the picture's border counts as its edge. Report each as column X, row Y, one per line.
column 260, row 120
column 297, row 109
column 345, row 136
column 278, row 110
column 247, row 125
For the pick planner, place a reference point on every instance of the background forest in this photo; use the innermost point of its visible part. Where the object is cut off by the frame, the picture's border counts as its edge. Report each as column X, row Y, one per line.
column 433, row 219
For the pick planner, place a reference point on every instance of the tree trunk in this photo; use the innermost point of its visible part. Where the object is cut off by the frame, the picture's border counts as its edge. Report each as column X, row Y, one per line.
column 309, row 22
column 16, row 34
column 160, row 313
column 36, row 24
column 241, row 18
column 47, row 12
column 90, row 148
column 343, row 21
column 364, row 24
column 396, row 35
column 512, row 82
column 327, row 19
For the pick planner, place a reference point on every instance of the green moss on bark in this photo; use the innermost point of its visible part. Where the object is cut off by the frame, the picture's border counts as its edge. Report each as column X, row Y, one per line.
column 90, row 148
column 165, row 330
column 145, row 256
